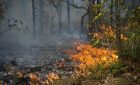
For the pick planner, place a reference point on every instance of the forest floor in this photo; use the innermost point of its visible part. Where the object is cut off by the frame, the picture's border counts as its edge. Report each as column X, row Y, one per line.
column 60, row 72
column 129, row 75
column 62, row 75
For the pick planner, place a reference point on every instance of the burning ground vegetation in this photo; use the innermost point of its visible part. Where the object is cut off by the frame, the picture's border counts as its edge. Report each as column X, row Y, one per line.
column 85, row 65
column 86, row 56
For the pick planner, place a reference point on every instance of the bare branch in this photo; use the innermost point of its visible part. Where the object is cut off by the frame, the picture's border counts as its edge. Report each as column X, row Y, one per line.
column 76, row 6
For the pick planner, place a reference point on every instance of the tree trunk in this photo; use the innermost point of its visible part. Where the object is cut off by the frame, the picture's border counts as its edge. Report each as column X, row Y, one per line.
column 33, row 14
column 41, row 16
column 68, row 12
column 118, row 29
column 111, row 10
column 91, row 16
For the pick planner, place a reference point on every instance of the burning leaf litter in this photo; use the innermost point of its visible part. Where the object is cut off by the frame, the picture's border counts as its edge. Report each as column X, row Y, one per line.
column 86, row 55
column 80, row 58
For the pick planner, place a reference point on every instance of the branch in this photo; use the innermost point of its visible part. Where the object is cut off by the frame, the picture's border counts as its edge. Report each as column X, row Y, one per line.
column 75, row 6
column 82, row 21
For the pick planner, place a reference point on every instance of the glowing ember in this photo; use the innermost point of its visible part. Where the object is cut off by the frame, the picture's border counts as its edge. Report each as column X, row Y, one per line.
column 51, row 77
column 33, row 79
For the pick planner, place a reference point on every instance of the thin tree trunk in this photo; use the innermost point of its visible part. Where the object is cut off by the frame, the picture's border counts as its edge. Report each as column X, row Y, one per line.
column 59, row 10
column 68, row 12
column 118, row 30
column 91, row 16
column 98, row 21
column 111, row 10
column 41, row 16
column 33, row 14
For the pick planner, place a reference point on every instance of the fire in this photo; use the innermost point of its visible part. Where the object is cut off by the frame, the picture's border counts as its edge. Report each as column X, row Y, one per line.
column 49, row 78
column 106, row 33
column 87, row 55
column 34, row 80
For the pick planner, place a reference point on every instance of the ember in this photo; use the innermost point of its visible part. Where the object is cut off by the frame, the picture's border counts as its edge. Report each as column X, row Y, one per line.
column 52, row 76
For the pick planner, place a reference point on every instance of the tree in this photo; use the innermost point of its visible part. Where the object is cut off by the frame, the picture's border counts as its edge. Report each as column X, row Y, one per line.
column 58, row 6
column 68, row 9
column 1, row 11
column 117, row 23
column 33, row 13
column 37, row 13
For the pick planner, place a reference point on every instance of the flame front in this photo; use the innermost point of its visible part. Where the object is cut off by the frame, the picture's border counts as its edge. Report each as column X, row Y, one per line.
column 87, row 55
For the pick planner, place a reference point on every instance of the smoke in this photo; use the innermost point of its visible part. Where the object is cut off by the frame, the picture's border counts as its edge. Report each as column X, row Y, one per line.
column 39, row 25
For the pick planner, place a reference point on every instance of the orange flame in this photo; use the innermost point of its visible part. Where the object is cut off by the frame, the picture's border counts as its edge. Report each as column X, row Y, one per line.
column 91, row 56
column 34, row 80
column 52, row 76
column 107, row 32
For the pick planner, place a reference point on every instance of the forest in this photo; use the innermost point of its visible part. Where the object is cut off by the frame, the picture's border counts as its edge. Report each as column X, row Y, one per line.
column 69, row 42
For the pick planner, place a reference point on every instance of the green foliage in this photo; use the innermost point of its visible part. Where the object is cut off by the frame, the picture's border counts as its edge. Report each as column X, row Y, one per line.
column 135, row 14
column 96, row 42
column 97, row 72
column 131, row 47
column 99, row 10
column 97, row 17
column 115, row 68
column 100, row 72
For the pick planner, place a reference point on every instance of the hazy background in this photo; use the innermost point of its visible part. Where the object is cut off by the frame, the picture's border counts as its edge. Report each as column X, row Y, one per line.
column 29, row 30
column 46, row 23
